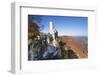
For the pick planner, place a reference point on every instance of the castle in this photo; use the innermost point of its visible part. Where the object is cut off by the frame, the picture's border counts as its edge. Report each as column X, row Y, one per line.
column 54, row 33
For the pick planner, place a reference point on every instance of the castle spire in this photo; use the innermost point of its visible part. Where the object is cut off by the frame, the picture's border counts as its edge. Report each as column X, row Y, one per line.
column 50, row 25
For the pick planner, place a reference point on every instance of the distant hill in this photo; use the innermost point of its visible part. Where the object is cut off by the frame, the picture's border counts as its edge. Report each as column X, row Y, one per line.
column 78, row 43
column 83, row 39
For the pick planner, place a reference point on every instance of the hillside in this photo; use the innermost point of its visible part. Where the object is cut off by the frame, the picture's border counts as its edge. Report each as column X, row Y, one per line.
column 78, row 44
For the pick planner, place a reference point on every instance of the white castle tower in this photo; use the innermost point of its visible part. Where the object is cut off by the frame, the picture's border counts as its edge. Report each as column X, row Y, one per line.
column 53, row 32
column 50, row 25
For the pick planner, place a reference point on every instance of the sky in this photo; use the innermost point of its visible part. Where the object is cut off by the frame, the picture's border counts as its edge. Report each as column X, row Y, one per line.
column 65, row 25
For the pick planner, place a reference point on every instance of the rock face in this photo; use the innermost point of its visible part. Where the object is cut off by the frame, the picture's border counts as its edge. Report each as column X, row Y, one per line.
column 50, row 46
column 41, row 50
column 45, row 47
column 52, row 53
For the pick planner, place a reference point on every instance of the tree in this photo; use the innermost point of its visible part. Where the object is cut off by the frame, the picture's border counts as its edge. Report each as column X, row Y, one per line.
column 33, row 30
column 63, row 50
column 36, row 19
